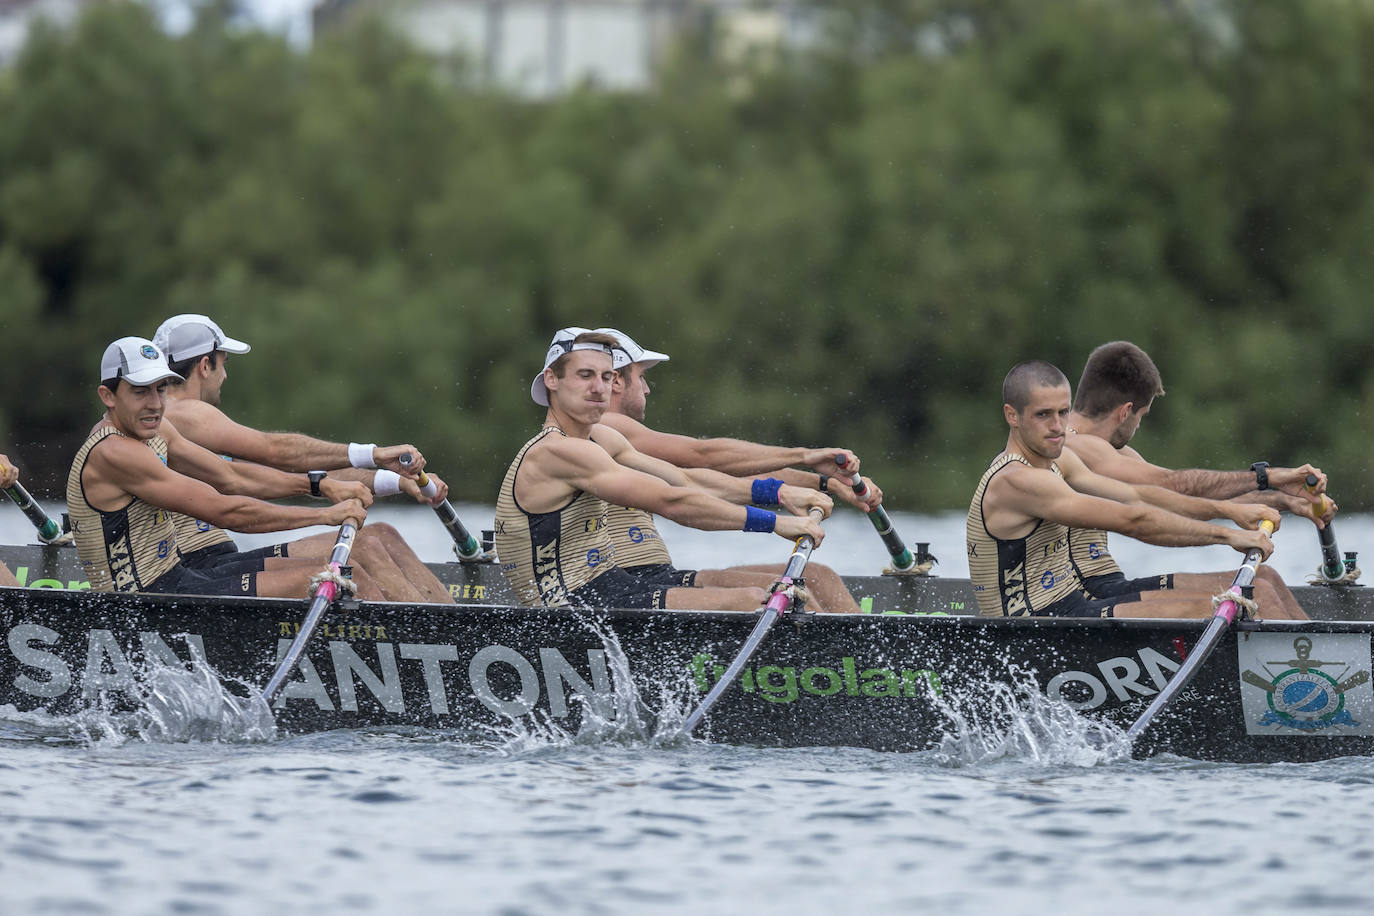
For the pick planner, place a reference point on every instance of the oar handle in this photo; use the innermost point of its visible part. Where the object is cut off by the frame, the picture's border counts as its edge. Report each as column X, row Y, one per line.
column 1221, row 620
column 772, row 611
column 324, row 597
column 901, row 557
column 1332, row 568
column 48, row 530
column 464, row 544
column 796, row 563
column 1244, row 576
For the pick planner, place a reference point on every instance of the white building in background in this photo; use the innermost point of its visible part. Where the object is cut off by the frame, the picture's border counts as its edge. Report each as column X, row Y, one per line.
column 543, row 47
column 18, row 16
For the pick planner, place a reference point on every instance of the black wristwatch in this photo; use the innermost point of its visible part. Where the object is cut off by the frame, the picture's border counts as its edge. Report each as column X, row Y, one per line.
column 824, row 485
column 1261, row 469
column 315, row 478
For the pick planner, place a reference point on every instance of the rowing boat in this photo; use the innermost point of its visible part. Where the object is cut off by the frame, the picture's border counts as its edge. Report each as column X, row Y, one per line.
column 483, row 583
column 1271, row 692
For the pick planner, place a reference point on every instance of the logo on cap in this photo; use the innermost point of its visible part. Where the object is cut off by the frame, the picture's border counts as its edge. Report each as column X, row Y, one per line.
column 148, row 352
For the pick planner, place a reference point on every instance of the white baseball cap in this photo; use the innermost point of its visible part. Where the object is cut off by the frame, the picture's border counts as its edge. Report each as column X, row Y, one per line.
column 188, row 336
column 137, row 361
column 563, row 343
column 634, row 353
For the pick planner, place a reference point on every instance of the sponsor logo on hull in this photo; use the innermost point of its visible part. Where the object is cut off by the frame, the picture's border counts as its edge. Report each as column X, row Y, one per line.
column 1316, row 684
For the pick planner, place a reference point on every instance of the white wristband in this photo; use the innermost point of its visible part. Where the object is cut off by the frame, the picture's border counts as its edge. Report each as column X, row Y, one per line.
column 360, row 454
column 386, row 483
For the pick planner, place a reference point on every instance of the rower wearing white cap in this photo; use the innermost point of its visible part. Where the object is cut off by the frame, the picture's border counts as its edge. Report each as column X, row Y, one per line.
column 134, row 469
column 640, row 550
column 198, row 350
column 551, row 510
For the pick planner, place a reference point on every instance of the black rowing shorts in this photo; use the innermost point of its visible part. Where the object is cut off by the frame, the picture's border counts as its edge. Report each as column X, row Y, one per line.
column 665, row 573
column 226, row 557
column 617, row 588
column 1114, row 585
column 182, row 580
column 1081, row 604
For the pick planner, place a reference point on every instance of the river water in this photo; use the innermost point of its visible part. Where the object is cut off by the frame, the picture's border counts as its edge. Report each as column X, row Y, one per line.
column 1039, row 819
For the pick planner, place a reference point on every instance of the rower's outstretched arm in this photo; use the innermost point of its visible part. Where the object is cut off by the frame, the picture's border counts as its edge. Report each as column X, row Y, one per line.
column 210, row 427
column 124, row 467
column 729, row 456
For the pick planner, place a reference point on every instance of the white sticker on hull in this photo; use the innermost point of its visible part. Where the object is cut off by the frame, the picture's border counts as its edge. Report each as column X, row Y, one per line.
column 1314, row 684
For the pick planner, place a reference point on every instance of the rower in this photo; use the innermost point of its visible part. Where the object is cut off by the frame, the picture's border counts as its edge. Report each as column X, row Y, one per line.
column 551, row 531
column 639, row 548
column 1035, row 491
column 9, row 476
column 1115, row 392
column 198, row 351
column 134, row 469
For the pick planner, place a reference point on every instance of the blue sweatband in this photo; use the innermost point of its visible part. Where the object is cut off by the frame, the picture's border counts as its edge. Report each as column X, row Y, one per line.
column 764, row 491
column 759, row 519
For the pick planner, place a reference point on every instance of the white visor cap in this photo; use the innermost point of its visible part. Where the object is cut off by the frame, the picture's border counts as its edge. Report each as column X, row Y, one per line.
column 188, row 336
column 563, row 343
column 135, row 360
column 633, row 352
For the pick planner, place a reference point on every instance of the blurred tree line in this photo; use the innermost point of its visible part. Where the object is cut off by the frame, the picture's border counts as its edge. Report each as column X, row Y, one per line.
column 847, row 244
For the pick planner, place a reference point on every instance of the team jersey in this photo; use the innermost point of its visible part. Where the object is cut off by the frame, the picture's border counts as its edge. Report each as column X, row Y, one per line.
column 125, row 550
column 546, row 555
column 1019, row 576
column 1088, row 548
column 637, row 542
column 193, row 534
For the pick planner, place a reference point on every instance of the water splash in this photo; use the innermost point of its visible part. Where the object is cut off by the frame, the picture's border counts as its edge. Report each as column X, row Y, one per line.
column 171, row 704
column 999, row 720
column 621, row 717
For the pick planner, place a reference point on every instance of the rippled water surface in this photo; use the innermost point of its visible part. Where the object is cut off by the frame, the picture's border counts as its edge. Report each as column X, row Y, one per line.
column 369, row 822
column 101, row 816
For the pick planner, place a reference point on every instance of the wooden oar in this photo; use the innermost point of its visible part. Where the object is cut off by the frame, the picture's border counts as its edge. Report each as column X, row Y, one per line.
column 464, row 544
column 778, row 604
column 1223, row 618
column 901, row 557
column 1332, row 568
column 324, row 596
column 48, row 530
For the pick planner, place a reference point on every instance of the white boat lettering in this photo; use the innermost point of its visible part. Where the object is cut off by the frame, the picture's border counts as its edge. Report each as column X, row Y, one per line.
column 1121, row 674
column 553, row 677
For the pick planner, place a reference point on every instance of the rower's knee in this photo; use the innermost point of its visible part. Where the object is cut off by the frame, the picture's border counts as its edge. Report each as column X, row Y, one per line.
column 368, row 590
column 382, row 532
column 749, row 597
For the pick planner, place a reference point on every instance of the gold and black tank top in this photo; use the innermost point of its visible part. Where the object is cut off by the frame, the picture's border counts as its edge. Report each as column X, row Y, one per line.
column 1088, row 548
column 1090, row 553
column 1021, row 576
column 546, row 555
column 637, row 541
column 193, row 534
column 127, row 549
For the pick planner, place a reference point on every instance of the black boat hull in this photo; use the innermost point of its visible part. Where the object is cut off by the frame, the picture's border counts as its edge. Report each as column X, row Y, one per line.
column 1271, row 692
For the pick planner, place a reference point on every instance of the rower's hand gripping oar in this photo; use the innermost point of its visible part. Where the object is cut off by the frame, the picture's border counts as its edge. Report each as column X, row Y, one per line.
column 1225, row 615
column 1332, row 569
column 48, row 530
column 902, row 560
column 784, row 594
column 325, row 594
column 464, row 544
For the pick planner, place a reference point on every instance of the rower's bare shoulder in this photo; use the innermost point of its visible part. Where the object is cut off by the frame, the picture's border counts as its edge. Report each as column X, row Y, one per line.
column 564, row 451
column 1088, row 447
column 1018, row 480
column 609, row 438
column 193, row 413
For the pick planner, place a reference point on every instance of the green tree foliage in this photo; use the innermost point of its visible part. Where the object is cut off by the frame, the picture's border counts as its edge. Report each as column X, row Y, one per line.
column 844, row 244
